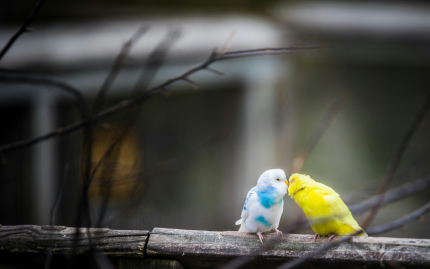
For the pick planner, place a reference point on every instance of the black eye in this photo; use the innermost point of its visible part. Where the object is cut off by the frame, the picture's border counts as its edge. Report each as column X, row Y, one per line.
column 278, row 179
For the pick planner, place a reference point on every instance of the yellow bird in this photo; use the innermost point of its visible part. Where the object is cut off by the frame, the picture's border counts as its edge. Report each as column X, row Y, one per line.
column 326, row 212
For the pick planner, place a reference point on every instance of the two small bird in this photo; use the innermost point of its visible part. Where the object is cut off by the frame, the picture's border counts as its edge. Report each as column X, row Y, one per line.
column 326, row 212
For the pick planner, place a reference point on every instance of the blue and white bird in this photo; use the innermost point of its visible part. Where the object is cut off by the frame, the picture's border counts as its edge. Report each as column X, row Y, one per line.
column 264, row 204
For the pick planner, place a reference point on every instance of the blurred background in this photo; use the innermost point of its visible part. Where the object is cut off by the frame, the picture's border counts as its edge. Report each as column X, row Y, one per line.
column 188, row 158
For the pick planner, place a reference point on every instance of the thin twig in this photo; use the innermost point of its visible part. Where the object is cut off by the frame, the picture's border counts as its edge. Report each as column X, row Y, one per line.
column 149, row 93
column 117, row 65
column 102, row 261
column 20, row 78
column 396, row 160
column 155, row 61
column 194, row 85
column 59, row 195
column 104, row 157
column 214, row 71
column 316, row 135
column 160, row 168
column 392, row 195
column 266, row 51
column 83, row 209
column 53, row 209
column 318, row 132
column 227, row 43
column 48, row 260
column 86, row 120
column 22, row 29
column 150, row 69
column 399, row 222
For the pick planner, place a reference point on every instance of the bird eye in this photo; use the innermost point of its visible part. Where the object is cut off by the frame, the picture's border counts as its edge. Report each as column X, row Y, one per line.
column 292, row 180
column 278, row 179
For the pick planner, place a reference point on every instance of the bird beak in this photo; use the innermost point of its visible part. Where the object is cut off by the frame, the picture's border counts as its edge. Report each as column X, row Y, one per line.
column 286, row 182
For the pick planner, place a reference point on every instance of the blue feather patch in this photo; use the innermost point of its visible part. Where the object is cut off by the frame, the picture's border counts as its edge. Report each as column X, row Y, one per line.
column 264, row 221
column 268, row 197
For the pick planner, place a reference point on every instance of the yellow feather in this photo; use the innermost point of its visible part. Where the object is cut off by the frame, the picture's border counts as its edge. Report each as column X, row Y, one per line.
column 325, row 210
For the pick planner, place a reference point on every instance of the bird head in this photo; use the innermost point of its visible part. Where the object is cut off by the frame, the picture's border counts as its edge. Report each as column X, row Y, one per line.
column 275, row 178
column 298, row 182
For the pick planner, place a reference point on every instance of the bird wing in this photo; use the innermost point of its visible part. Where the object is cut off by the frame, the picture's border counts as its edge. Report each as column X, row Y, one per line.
column 341, row 213
column 327, row 207
column 251, row 197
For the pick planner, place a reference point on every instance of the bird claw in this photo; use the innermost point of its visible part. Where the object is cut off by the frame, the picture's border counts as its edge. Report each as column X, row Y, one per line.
column 260, row 236
column 315, row 237
column 331, row 237
column 277, row 231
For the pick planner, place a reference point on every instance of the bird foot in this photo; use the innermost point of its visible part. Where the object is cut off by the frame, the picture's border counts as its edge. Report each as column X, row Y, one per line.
column 260, row 236
column 315, row 237
column 331, row 237
column 277, row 231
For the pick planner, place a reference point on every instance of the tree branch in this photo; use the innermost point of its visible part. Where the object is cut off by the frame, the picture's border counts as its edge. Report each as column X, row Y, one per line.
column 392, row 195
column 318, row 132
column 16, row 78
column 155, row 61
column 22, row 29
column 396, row 160
column 127, row 104
column 399, row 222
column 117, row 65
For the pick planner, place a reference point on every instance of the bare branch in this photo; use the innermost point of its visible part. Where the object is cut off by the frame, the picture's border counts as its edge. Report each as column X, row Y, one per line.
column 117, row 65
column 16, row 78
column 108, row 153
column 227, row 43
column 59, row 194
column 155, row 61
column 318, row 132
column 399, row 222
column 396, row 160
column 150, row 69
column 127, row 104
column 87, row 122
column 194, row 85
column 392, row 195
column 166, row 93
column 22, row 29
column 214, row 71
column 54, row 209
column 267, row 51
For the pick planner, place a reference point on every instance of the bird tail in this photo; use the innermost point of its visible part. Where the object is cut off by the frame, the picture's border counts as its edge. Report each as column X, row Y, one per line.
column 364, row 234
column 242, row 225
column 356, row 228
